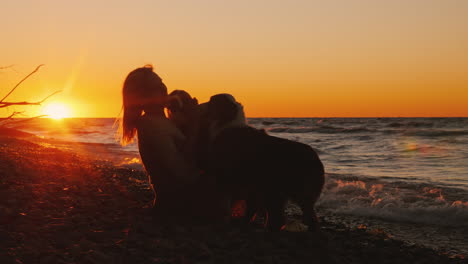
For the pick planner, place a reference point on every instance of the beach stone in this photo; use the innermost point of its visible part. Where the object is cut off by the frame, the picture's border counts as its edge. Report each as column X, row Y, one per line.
column 52, row 259
column 96, row 256
column 86, row 244
column 295, row 226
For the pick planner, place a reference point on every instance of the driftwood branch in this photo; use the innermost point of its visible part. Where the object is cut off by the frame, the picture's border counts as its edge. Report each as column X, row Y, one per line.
column 25, row 119
column 12, row 115
column 18, row 84
column 10, row 119
column 6, row 67
column 7, row 104
column 13, row 123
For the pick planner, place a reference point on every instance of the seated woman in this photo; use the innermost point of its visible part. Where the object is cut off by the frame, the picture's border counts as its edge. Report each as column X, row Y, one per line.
column 160, row 142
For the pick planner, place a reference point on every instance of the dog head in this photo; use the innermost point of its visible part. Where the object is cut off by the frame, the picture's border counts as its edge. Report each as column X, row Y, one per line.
column 180, row 101
column 223, row 111
column 182, row 109
column 222, row 108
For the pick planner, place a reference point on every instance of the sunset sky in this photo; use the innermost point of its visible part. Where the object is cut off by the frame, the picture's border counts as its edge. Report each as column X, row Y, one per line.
column 295, row 58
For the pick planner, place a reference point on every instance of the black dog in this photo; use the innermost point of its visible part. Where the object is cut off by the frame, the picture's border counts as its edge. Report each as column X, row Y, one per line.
column 248, row 164
column 267, row 171
column 264, row 170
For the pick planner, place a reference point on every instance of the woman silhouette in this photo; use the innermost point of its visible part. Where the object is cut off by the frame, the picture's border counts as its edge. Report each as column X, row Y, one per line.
column 161, row 144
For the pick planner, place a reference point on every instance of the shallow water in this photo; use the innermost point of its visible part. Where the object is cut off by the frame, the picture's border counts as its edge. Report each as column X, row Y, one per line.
column 420, row 150
column 424, row 150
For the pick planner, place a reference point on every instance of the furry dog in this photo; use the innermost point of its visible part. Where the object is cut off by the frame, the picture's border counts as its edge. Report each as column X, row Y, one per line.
column 264, row 170
column 248, row 164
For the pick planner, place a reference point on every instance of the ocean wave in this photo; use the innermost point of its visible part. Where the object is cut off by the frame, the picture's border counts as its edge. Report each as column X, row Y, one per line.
column 338, row 147
column 291, row 123
column 356, row 130
column 267, row 123
column 110, row 146
column 74, row 132
column 319, row 129
column 410, row 124
column 435, row 133
column 411, row 203
column 291, row 130
column 332, row 129
column 364, row 138
column 429, row 133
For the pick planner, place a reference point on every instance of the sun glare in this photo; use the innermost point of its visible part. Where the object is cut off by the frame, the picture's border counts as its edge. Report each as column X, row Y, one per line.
column 56, row 110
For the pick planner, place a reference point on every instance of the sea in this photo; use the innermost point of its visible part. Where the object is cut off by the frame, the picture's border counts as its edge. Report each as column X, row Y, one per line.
column 405, row 176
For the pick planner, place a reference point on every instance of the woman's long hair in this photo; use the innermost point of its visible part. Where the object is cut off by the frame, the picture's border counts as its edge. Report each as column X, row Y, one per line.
column 140, row 86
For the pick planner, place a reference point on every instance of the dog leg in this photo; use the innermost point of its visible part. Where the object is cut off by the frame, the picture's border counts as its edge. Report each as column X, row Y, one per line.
column 275, row 210
column 309, row 216
column 250, row 212
column 254, row 207
column 223, row 209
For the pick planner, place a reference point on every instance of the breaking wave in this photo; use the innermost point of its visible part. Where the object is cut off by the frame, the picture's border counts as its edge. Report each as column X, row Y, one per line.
column 321, row 129
column 410, row 124
column 435, row 133
column 348, row 130
column 396, row 201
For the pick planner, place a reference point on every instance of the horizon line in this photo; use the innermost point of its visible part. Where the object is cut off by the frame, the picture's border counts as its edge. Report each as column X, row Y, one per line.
column 275, row 117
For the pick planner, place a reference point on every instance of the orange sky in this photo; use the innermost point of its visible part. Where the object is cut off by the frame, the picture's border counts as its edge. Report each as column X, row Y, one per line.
column 278, row 58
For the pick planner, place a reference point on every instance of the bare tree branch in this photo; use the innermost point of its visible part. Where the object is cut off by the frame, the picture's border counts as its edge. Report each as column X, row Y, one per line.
column 18, row 84
column 6, row 67
column 7, row 104
column 13, row 114
column 28, row 119
column 10, row 119
column 12, row 122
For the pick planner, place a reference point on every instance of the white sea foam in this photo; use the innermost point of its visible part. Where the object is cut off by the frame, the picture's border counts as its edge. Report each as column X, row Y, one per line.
column 410, row 203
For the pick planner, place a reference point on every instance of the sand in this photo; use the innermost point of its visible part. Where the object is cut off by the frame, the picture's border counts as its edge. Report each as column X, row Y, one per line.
column 58, row 206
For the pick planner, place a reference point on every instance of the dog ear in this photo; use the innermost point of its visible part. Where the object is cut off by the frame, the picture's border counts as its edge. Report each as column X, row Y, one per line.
column 222, row 107
column 174, row 102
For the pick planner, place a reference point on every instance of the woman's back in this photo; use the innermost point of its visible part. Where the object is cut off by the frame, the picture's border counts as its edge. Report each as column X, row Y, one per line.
column 160, row 143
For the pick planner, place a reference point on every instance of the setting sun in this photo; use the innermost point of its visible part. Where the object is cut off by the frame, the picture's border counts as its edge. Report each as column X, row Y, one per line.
column 56, row 110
